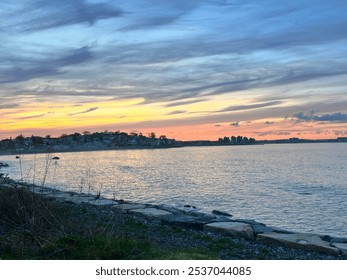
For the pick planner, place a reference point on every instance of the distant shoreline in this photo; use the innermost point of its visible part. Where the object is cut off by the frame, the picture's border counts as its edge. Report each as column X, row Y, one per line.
column 181, row 145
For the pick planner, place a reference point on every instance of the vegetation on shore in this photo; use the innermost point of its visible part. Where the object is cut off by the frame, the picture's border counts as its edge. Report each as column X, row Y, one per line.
column 33, row 226
column 36, row 227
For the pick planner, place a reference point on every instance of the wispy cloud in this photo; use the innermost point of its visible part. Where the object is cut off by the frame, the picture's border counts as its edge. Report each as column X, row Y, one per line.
column 177, row 112
column 84, row 112
column 250, row 106
column 41, row 15
column 50, row 66
column 35, row 116
column 235, row 124
column 180, row 103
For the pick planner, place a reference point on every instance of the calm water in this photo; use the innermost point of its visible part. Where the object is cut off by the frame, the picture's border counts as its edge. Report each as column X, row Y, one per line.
column 298, row 187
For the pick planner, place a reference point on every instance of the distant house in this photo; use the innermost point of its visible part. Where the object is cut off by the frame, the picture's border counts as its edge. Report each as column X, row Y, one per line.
column 133, row 142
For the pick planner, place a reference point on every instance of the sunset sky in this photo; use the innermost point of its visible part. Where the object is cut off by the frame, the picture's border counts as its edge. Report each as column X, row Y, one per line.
column 197, row 69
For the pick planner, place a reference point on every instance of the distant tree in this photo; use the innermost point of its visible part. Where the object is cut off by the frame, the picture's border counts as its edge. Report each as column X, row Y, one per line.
column 48, row 136
column 239, row 139
column 20, row 139
column 152, row 135
column 86, row 132
column 37, row 140
column 64, row 135
column 251, row 140
column 162, row 137
column 76, row 136
column 233, row 139
column 226, row 139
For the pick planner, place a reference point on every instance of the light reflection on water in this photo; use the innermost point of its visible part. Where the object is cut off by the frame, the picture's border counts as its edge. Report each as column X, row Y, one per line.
column 298, row 187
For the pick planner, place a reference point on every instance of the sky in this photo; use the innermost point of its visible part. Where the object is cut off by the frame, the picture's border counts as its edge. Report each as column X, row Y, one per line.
column 190, row 70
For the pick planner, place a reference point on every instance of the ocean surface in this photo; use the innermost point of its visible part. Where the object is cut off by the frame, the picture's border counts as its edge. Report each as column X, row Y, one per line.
column 299, row 187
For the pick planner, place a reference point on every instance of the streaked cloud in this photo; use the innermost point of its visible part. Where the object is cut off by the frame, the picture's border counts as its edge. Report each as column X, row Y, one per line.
column 84, row 112
column 35, row 116
column 250, row 106
column 177, row 112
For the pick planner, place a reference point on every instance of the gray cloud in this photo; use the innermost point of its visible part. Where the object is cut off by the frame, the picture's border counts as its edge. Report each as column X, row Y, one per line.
column 9, row 106
column 41, row 14
column 269, row 123
column 235, row 124
column 176, row 112
column 335, row 117
column 162, row 13
column 84, row 112
column 43, row 67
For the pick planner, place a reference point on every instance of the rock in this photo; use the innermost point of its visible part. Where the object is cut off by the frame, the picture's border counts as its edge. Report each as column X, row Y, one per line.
column 78, row 199
column 151, row 212
column 218, row 219
column 186, row 221
column 334, row 239
column 280, row 230
column 170, row 209
column 221, row 213
column 103, row 202
column 259, row 228
column 304, row 241
column 125, row 207
column 55, row 158
column 60, row 196
column 341, row 246
column 234, row 229
column 248, row 221
column 42, row 191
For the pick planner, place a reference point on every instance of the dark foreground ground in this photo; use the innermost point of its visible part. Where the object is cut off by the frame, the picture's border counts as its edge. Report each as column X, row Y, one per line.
column 36, row 227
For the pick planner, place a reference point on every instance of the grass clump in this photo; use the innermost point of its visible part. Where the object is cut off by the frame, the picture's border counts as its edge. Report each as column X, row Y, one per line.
column 33, row 226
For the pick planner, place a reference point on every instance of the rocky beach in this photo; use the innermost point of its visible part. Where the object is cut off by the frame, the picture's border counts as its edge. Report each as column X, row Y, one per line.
column 184, row 232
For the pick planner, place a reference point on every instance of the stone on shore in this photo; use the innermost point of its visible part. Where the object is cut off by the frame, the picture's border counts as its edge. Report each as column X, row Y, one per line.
column 342, row 247
column 192, row 222
column 151, row 212
column 78, row 199
column 42, row 191
column 221, row 213
column 102, row 202
column 234, row 229
column 125, row 207
column 257, row 227
column 304, row 241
